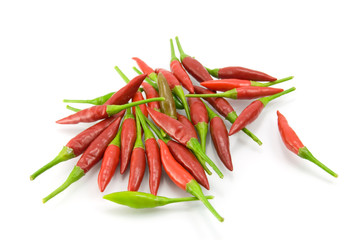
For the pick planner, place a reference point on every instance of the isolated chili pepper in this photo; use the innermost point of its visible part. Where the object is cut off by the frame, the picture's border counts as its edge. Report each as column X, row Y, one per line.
column 110, row 162
column 127, row 140
column 168, row 105
column 240, row 73
column 140, row 200
column 241, row 93
column 95, row 101
column 253, row 110
column 137, row 161
column 99, row 112
column 150, row 92
column 294, row 144
column 182, row 178
column 179, row 132
column 229, row 84
column 200, row 119
column 176, row 88
column 178, row 70
column 153, row 155
column 220, row 138
column 224, row 108
column 90, row 157
column 146, row 69
column 193, row 66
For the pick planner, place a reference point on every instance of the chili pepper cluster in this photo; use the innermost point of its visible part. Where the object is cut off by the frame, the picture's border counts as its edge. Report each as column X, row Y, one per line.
column 151, row 132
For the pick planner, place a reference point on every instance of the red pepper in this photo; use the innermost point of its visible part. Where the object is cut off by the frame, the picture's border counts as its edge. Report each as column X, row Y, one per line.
column 150, row 92
column 294, row 144
column 200, row 119
column 90, row 157
column 220, row 138
column 188, row 124
column 229, row 84
column 240, row 73
column 109, row 163
column 193, row 66
column 182, row 178
column 252, row 111
column 127, row 140
column 224, row 108
column 146, row 69
column 179, row 72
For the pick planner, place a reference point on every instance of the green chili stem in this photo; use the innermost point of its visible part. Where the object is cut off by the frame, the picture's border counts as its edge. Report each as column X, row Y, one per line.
column 266, row 100
column 180, row 49
column 73, row 108
column 138, row 141
column 124, row 77
column 202, row 129
column 172, row 52
column 147, row 133
column 259, row 84
column 157, row 131
column 228, row 94
column 213, row 72
column 113, row 109
column 211, row 113
column 95, row 101
column 178, row 91
column 116, row 139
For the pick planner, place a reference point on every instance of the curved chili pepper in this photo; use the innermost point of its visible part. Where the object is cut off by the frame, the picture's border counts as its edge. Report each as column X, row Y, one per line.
column 242, row 93
column 110, row 162
column 99, row 112
column 176, row 88
column 193, row 66
column 240, row 73
column 178, row 70
column 229, row 84
column 179, row 132
column 127, row 139
column 220, row 138
column 223, row 107
column 168, row 105
column 95, row 101
column 146, row 69
column 182, row 178
column 137, row 161
column 153, row 155
column 294, row 144
column 200, row 119
column 150, row 92
column 90, row 157
column 253, row 110
column 140, row 200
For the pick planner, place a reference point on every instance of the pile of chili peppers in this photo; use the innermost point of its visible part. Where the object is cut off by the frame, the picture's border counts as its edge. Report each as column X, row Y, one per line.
column 139, row 127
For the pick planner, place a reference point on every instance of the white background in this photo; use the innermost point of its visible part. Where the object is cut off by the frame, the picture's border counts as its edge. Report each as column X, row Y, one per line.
column 68, row 49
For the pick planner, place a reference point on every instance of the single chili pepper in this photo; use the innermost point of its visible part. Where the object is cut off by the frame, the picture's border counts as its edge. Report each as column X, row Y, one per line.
column 95, row 101
column 178, row 70
column 140, row 200
column 137, row 161
column 179, row 132
column 127, row 139
column 182, row 178
column 253, row 110
column 153, row 155
column 110, row 162
column 224, row 108
column 294, row 144
column 220, row 138
column 90, row 157
column 78, row 144
column 176, row 88
column 229, row 84
column 150, row 92
column 193, row 66
column 99, row 112
column 184, row 157
column 146, row 69
column 242, row 93
column 200, row 119
column 240, row 73
column 168, row 105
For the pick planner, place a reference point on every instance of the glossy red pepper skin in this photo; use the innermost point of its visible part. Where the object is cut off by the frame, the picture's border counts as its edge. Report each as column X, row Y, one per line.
column 196, row 69
column 150, row 92
column 127, row 140
column 256, row 92
column 198, row 111
column 91, row 114
column 109, row 164
column 143, row 66
column 171, row 79
column 137, row 169
column 139, row 97
column 244, row 73
column 226, row 84
column 188, row 124
column 154, row 164
column 180, row 73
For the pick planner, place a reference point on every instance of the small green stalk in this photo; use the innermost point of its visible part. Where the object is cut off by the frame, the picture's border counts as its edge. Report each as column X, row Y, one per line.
column 266, row 100
column 138, row 141
column 202, row 129
column 306, row 154
column 73, row 108
column 157, row 131
column 172, row 52
column 211, row 114
column 213, row 72
column 116, row 139
column 178, row 91
column 124, row 77
column 147, row 133
column 128, row 114
column 114, row 109
column 95, row 101
column 267, row 84
column 65, row 154
column 74, row 176
column 228, row 94
column 180, row 49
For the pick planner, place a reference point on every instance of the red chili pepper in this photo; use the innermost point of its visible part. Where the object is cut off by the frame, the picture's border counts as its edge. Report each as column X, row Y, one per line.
column 188, row 124
column 90, row 157
column 182, row 178
column 146, row 69
column 150, row 92
column 200, row 119
column 229, row 84
column 240, row 73
column 137, row 161
column 193, row 66
column 110, row 162
column 127, row 140
column 178, row 70
column 224, row 108
column 252, row 111
column 241, row 93
column 220, row 138
column 180, row 133
column 294, row 144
